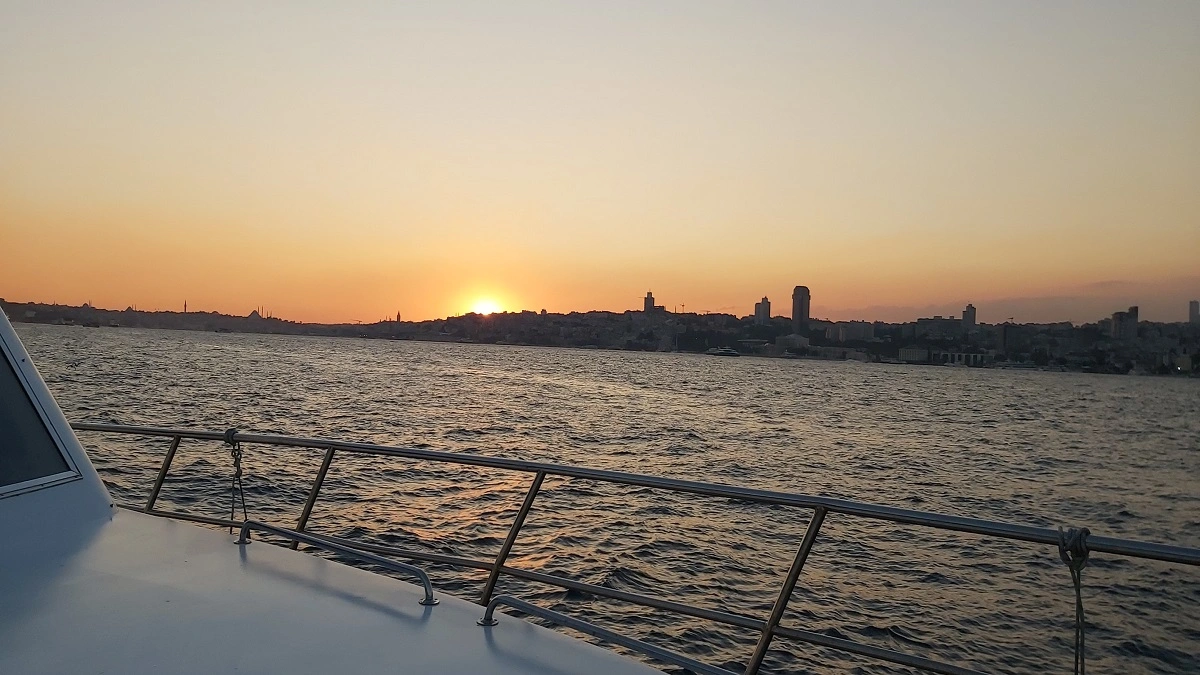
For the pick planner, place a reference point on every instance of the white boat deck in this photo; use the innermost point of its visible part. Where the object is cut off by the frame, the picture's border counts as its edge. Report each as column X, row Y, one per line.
column 139, row 594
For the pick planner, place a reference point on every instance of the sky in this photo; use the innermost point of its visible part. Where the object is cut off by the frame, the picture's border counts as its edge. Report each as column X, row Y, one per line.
column 348, row 161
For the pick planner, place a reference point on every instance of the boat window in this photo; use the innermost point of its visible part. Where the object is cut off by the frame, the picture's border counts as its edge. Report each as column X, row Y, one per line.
column 27, row 451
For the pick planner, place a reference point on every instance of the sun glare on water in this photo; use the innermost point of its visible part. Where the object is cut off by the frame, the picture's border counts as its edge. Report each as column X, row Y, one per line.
column 485, row 306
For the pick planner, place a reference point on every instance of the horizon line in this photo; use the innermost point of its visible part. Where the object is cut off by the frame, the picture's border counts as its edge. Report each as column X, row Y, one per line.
column 267, row 315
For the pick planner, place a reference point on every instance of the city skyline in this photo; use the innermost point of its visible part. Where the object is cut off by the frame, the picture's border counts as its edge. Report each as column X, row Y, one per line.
column 966, row 313
column 337, row 164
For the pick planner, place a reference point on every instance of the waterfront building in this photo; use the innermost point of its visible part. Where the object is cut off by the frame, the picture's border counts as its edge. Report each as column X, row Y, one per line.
column 968, row 318
column 801, row 299
column 1194, row 312
column 962, row 358
column 1183, row 362
column 839, row 354
column 792, row 341
column 762, row 312
column 914, row 354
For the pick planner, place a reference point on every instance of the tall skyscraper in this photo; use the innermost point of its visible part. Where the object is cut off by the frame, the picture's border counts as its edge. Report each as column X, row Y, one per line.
column 648, row 304
column 800, row 303
column 762, row 312
column 1194, row 312
column 968, row 319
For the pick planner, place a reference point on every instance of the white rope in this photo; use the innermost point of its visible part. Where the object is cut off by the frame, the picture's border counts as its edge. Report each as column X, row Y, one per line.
column 1073, row 550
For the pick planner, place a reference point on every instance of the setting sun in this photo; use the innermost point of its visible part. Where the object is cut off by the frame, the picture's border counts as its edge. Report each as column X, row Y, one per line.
column 485, row 306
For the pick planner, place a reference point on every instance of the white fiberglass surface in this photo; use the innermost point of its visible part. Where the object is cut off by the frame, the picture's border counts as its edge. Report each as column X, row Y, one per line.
column 150, row 595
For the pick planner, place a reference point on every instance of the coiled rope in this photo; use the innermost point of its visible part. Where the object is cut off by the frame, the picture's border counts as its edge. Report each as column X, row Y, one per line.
column 235, row 487
column 1072, row 548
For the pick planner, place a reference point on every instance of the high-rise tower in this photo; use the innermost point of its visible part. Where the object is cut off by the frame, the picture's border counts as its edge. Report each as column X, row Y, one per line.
column 762, row 312
column 800, row 303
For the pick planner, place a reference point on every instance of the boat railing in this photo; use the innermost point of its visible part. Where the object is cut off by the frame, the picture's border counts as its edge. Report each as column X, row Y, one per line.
column 335, row 547
column 768, row 627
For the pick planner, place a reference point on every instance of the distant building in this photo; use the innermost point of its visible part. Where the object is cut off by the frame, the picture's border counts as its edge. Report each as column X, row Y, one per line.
column 968, row 318
column 762, row 312
column 962, row 358
column 1007, row 335
column 792, row 341
column 1184, row 362
column 1115, row 324
column 800, row 309
column 847, row 331
column 1194, row 312
column 1124, row 324
column 938, row 327
column 839, row 354
column 648, row 305
column 914, row 354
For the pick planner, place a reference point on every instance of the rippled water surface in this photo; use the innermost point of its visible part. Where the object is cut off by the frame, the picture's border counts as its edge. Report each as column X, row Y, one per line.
column 1120, row 455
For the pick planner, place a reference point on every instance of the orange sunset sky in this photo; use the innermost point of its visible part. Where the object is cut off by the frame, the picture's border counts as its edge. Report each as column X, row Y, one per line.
column 347, row 161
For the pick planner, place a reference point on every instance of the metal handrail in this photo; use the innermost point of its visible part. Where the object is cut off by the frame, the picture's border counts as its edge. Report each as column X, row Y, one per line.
column 596, row 631
column 769, row 628
column 320, row 542
column 1029, row 533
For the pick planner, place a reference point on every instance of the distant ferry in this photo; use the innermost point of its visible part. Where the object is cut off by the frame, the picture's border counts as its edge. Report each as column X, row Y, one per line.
column 723, row 351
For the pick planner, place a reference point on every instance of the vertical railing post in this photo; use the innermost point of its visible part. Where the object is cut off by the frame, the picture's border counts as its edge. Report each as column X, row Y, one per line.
column 162, row 474
column 785, row 593
column 512, row 537
column 312, row 494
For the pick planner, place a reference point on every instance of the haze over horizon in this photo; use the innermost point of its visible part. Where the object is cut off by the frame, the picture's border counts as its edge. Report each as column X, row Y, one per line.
column 337, row 164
